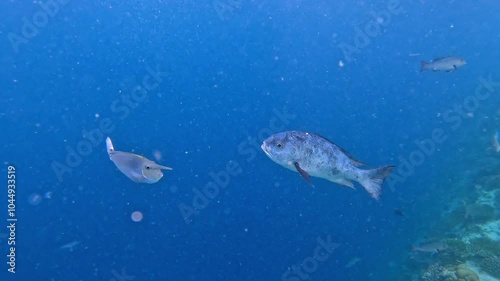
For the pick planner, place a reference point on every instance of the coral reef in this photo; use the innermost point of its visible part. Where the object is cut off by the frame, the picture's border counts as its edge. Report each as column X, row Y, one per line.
column 471, row 217
column 487, row 197
column 455, row 217
column 492, row 183
column 491, row 265
column 457, row 248
column 463, row 273
column 437, row 272
column 491, row 230
column 479, row 213
column 483, row 247
column 478, row 247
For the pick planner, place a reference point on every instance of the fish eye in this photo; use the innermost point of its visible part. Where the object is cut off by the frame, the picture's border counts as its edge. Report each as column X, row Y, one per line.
column 279, row 145
column 147, row 167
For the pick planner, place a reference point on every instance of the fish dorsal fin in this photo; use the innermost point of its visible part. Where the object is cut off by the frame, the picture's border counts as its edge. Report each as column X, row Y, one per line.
column 440, row 58
column 303, row 173
column 354, row 161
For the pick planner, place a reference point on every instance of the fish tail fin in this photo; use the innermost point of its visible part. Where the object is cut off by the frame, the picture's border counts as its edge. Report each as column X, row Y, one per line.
column 423, row 66
column 109, row 145
column 373, row 180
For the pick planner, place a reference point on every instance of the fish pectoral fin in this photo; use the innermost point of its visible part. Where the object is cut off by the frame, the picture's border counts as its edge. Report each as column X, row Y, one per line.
column 344, row 182
column 303, row 173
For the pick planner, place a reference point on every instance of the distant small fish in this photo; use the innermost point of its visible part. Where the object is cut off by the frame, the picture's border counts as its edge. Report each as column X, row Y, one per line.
column 496, row 138
column 430, row 247
column 447, row 64
column 70, row 246
column 353, row 262
column 399, row 212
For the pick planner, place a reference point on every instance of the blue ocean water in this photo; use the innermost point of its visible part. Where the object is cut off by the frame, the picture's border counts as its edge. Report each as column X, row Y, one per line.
column 197, row 86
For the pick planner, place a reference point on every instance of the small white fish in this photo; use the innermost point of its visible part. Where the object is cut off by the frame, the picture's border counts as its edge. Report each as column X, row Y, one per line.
column 353, row 262
column 137, row 168
column 70, row 246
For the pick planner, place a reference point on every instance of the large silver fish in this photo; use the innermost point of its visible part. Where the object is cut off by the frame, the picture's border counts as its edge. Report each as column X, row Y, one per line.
column 313, row 155
column 447, row 64
column 135, row 167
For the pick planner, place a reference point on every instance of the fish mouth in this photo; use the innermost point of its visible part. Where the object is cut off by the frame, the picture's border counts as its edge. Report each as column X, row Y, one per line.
column 264, row 148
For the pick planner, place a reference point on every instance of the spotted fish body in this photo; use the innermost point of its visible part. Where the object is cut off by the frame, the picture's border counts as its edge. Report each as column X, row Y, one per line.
column 312, row 155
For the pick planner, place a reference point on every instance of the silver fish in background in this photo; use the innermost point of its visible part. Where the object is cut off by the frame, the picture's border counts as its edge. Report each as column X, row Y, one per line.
column 447, row 64
column 312, row 155
column 135, row 167
column 430, row 247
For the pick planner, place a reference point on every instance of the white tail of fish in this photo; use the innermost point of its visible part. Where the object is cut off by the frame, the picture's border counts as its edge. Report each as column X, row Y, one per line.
column 373, row 179
column 109, row 145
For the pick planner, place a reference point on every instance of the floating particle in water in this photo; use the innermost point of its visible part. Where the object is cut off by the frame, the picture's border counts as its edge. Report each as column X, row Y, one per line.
column 34, row 199
column 399, row 212
column 137, row 216
column 70, row 246
column 48, row 195
column 157, row 155
column 173, row 188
